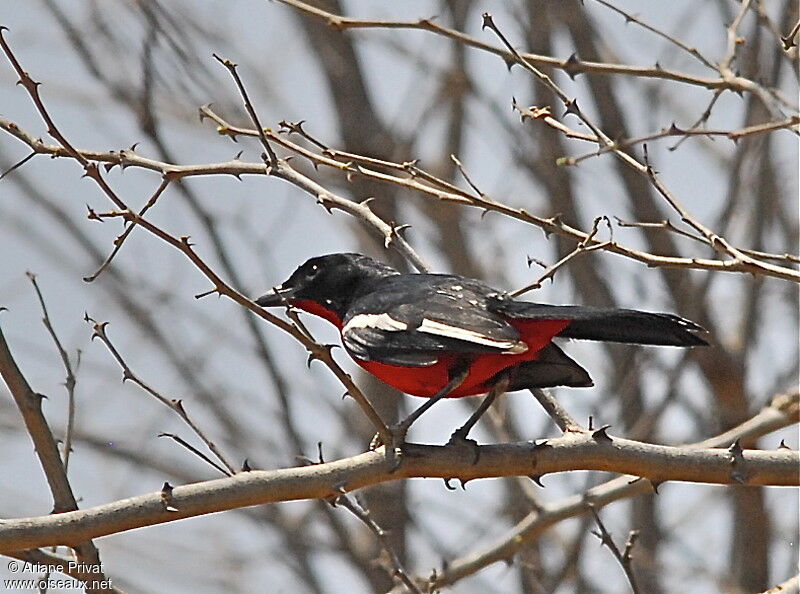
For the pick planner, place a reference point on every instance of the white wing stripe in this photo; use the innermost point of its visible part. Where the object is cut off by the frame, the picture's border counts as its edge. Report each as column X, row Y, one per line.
column 439, row 329
column 378, row 321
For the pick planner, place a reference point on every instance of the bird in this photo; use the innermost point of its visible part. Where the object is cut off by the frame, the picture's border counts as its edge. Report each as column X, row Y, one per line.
column 448, row 336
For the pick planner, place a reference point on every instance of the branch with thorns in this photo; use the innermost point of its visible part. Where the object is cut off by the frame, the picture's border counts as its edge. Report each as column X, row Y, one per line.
column 622, row 557
column 280, row 169
column 174, row 404
column 430, row 186
column 572, row 66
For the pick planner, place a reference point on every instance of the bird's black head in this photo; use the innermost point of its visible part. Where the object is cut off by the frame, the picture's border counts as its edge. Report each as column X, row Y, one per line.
column 330, row 282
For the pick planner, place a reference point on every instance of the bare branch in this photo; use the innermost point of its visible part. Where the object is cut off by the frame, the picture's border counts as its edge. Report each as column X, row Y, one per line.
column 624, row 559
column 574, row 451
column 30, row 405
column 173, row 404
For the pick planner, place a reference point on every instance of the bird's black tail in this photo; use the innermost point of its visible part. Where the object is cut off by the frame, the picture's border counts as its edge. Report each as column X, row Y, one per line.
column 611, row 325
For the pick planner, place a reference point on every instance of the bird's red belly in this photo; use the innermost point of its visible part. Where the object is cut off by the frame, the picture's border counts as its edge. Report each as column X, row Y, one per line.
column 427, row 381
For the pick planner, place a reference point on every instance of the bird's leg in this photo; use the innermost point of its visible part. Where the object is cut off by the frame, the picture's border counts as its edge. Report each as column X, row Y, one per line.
column 460, row 434
column 400, row 429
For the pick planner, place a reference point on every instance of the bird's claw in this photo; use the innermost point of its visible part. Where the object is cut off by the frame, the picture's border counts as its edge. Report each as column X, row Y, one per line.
column 459, row 439
column 394, row 450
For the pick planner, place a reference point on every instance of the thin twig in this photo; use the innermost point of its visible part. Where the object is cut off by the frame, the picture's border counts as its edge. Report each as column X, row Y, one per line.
column 128, row 230
column 204, row 457
column 69, row 382
column 623, row 558
column 732, row 83
column 315, row 350
column 548, row 225
column 556, row 411
column 32, row 87
column 788, row 41
column 173, row 404
column 397, row 569
column 581, row 248
column 30, row 405
column 231, row 66
column 790, row 123
column 629, row 18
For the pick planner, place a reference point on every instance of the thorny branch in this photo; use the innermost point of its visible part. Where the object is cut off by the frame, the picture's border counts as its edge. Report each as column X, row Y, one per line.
column 622, row 557
column 323, row 481
column 173, row 404
column 69, row 382
column 783, row 410
column 410, row 178
column 30, row 406
column 368, row 167
column 397, row 570
column 571, row 66
column 282, row 170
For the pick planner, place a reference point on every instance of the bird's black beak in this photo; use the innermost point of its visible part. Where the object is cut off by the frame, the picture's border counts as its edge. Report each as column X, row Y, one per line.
column 275, row 297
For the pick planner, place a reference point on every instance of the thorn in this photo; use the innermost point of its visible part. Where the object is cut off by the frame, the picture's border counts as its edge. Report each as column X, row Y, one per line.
column 601, row 434
column 325, row 203
column 448, row 485
column 319, row 453
column 246, row 466
column 537, row 478
column 304, row 460
column 207, row 293
column 92, row 215
column 532, row 260
column 656, row 485
column 783, row 446
column 675, row 131
column 541, row 443
column 571, row 66
column 572, row 108
column 735, row 451
column 166, row 498
column 313, row 356
column 487, row 21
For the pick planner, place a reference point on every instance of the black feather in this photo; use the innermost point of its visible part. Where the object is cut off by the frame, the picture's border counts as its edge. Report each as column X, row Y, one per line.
column 611, row 325
column 551, row 368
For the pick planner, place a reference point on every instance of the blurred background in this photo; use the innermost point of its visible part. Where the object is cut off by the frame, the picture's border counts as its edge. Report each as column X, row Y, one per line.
column 118, row 73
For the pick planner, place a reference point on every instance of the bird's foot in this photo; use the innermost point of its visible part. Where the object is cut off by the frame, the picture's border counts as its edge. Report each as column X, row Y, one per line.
column 459, row 439
column 394, row 449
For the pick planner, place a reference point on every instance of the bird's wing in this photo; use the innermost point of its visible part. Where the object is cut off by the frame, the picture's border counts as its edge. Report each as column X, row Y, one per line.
column 410, row 320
